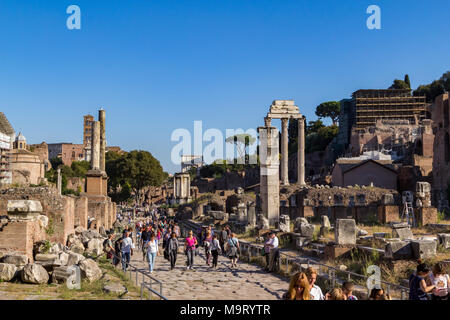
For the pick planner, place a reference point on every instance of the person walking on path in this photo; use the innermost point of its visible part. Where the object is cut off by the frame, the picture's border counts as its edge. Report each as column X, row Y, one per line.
column 273, row 244
column 152, row 252
column 127, row 251
column 117, row 254
column 223, row 239
column 233, row 250
column 215, row 251
column 108, row 246
column 298, row 288
column 145, row 239
column 267, row 252
column 190, row 245
column 172, row 248
column 314, row 290
column 207, row 245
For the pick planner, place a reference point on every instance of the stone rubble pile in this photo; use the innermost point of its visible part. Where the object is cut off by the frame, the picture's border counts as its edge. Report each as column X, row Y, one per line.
column 54, row 261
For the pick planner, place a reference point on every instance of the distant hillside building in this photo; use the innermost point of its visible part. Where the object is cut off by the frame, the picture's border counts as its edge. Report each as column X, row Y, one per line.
column 68, row 152
column 26, row 166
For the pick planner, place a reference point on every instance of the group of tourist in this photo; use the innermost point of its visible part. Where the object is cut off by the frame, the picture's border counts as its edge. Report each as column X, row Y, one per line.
column 424, row 284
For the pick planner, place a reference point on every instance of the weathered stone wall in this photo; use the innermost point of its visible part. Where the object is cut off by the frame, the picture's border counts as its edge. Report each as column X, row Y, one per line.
column 59, row 209
column 81, row 212
column 19, row 236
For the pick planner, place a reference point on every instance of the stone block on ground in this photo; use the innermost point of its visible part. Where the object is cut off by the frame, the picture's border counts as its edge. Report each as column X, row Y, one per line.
column 77, row 248
column 90, row 270
column 95, row 246
column 285, row 223
column 7, row 271
column 79, row 230
column 61, row 274
column 423, row 249
column 345, row 231
column 302, row 241
column 115, row 288
column 444, row 240
column 333, row 251
column 402, row 233
column 74, row 258
column 35, row 274
column 306, row 230
column 19, row 260
column 398, row 250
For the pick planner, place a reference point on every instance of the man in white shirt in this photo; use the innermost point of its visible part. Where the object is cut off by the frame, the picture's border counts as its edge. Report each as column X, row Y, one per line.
column 273, row 253
column 127, row 250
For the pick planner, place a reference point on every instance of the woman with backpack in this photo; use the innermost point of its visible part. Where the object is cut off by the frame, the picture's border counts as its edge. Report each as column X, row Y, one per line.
column 233, row 250
column 190, row 245
column 172, row 249
column 215, row 251
column 207, row 245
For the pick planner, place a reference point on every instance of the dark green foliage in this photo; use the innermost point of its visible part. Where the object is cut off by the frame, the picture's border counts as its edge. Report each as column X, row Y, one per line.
column 318, row 141
column 131, row 172
column 80, row 168
column 399, row 84
column 434, row 89
column 330, row 109
column 407, row 81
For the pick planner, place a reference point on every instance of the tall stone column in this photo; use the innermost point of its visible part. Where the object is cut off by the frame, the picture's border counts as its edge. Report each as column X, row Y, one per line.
column 284, row 152
column 59, row 182
column 269, row 173
column 267, row 122
column 95, row 148
column 301, row 152
column 174, row 186
column 101, row 119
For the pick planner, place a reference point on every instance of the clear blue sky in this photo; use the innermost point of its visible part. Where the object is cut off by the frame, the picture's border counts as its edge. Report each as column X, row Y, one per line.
column 159, row 65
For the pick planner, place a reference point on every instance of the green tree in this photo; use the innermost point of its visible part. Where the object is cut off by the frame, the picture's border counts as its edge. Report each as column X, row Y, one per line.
column 80, row 168
column 131, row 172
column 330, row 110
column 407, row 81
column 399, row 84
column 314, row 126
column 318, row 141
column 56, row 162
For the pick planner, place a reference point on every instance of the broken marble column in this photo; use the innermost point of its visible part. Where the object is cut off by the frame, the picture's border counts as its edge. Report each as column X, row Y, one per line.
column 95, row 148
column 59, row 182
column 284, row 152
column 251, row 214
column 269, row 173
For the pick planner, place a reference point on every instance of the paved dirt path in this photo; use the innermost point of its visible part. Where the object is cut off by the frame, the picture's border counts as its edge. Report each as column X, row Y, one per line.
column 246, row 282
